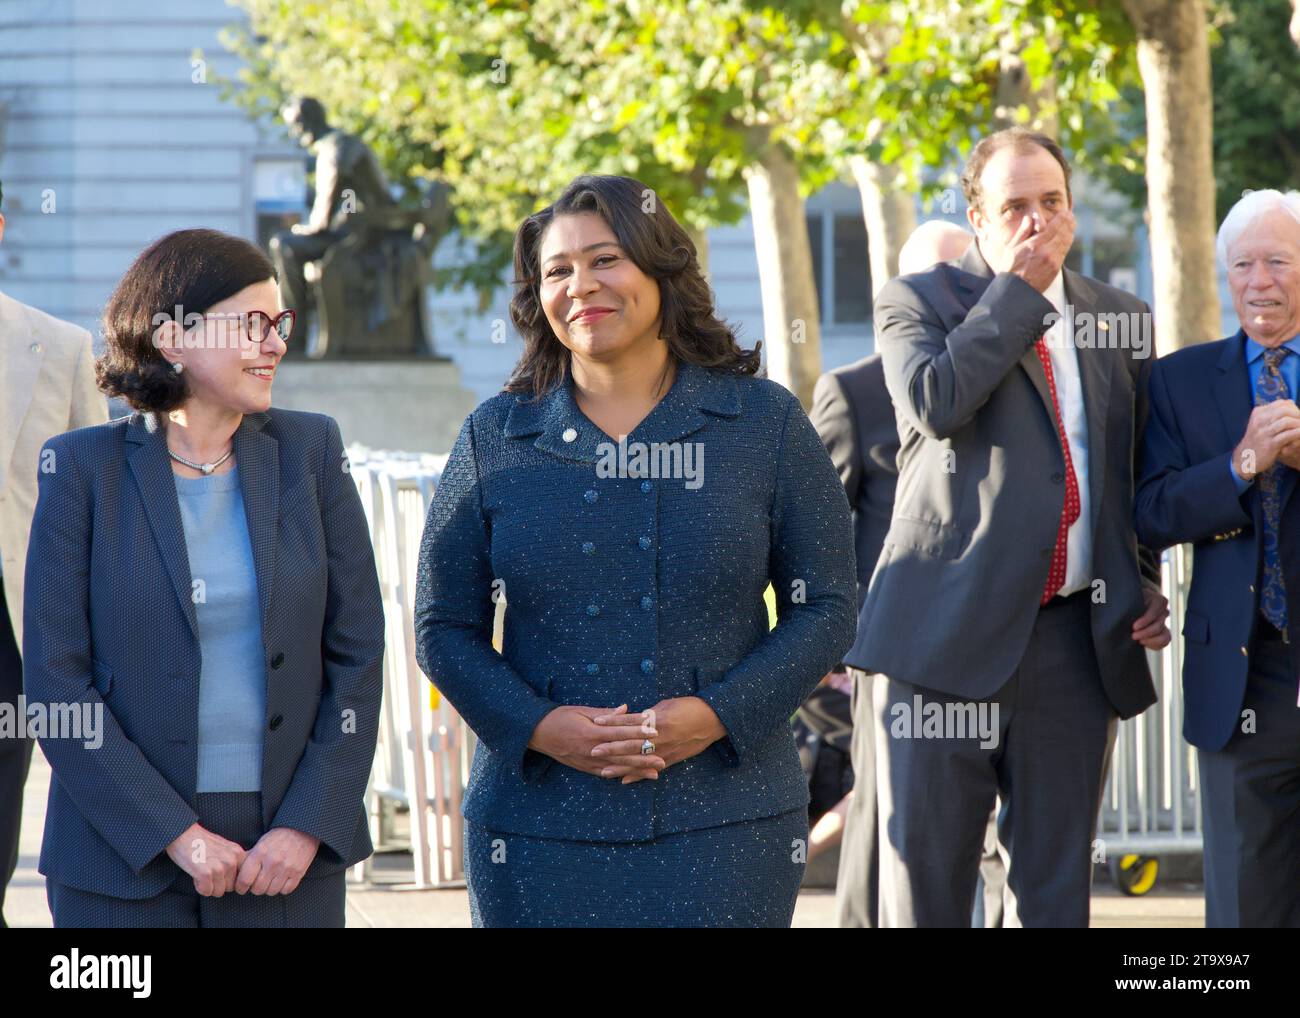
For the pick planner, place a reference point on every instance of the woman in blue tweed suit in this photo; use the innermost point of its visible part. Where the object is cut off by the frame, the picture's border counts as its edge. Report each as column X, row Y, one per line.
column 630, row 496
column 201, row 577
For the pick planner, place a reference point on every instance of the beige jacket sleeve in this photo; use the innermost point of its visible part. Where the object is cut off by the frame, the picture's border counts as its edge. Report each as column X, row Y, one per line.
column 88, row 404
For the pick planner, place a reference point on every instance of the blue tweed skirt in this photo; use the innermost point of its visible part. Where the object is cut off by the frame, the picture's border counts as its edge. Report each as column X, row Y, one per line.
column 739, row 874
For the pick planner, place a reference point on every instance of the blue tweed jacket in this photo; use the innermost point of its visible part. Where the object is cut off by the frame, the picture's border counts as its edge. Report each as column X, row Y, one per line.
column 634, row 589
column 109, row 619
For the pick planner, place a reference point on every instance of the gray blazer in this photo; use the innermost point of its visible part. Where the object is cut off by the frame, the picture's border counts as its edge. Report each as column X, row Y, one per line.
column 109, row 619
column 981, row 483
column 853, row 415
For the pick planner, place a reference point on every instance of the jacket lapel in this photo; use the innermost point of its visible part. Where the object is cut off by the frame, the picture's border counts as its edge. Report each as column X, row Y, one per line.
column 256, row 459
column 151, row 467
column 1033, row 367
column 1232, row 388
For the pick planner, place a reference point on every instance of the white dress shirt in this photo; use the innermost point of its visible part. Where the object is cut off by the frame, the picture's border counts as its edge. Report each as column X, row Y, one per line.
column 1069, row 395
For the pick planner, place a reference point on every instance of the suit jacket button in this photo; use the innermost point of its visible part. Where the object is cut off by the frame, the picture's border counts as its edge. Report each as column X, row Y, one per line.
column 1058, row 477
column 1252, row 588
column 647, row 665
column 644, row 542
column 591, row 496
column 277, row 721
column 277, row 661
column 1243, row 652
column 593, row 669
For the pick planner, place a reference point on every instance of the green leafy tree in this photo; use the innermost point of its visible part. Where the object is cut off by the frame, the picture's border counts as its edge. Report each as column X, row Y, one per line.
column 1256, row 116
column 717, row 106
column 931, row 76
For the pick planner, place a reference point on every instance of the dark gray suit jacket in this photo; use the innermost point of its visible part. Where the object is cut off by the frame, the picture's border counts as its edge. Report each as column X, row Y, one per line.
column 853, row 415
column 981, row 483
column 109, row 619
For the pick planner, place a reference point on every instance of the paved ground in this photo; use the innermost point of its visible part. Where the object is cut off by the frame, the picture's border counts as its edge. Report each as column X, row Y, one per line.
column 1174, row 905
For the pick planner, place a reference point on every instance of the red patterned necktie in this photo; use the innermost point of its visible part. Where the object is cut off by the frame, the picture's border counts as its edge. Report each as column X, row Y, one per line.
column 1070, row 512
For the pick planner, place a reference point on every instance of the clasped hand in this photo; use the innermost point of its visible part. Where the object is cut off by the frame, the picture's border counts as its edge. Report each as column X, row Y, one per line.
column 607, row 743
column 1272, row 436
column 275, row 865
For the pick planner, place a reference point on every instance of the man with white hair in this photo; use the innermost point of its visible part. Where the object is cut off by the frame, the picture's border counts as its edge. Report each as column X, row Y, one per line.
column 1224, row 482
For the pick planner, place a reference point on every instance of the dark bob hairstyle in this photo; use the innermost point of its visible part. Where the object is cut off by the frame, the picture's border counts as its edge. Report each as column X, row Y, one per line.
column 659, row 246
column 184, row 273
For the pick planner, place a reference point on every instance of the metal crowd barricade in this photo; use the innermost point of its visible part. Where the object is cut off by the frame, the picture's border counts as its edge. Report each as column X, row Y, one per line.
column 424, row 748
column 1152, row 803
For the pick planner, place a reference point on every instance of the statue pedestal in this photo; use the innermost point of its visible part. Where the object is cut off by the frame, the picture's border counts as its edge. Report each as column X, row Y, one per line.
column 413, row 405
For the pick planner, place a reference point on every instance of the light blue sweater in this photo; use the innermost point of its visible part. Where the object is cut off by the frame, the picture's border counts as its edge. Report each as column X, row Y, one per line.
column 232, row 680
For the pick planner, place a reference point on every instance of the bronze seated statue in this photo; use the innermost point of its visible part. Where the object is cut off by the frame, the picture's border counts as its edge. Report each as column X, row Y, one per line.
column 357, row 271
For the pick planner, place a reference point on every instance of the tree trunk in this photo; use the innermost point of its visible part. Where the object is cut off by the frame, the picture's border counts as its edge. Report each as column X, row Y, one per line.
column 890, row 216
column 791, row 324
column 1174, row 58
column 888, row 211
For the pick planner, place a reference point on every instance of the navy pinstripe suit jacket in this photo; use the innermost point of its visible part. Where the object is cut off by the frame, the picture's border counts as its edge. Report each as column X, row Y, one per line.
column 109, row 618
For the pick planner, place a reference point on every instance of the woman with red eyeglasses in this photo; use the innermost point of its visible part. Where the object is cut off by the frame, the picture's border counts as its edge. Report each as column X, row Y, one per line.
column 202, row 598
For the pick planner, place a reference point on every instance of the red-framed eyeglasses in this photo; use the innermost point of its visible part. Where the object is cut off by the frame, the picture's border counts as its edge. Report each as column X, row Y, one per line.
column 258, row 324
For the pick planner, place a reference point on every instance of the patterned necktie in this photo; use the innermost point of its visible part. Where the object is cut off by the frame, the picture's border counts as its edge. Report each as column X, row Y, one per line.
column 1272, row 386
column 1070, row 511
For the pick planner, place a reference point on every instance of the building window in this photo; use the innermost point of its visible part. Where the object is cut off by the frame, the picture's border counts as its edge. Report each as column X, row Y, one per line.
column 841, row 267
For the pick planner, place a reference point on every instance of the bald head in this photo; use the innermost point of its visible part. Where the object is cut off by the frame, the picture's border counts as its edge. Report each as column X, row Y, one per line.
column 932, row 242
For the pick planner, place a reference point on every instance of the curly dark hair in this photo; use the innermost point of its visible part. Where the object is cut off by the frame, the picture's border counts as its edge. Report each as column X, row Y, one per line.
column 189, row 270
column 659, row 246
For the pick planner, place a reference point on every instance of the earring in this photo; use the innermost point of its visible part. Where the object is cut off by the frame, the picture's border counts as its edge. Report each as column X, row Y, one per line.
column 178, row 367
